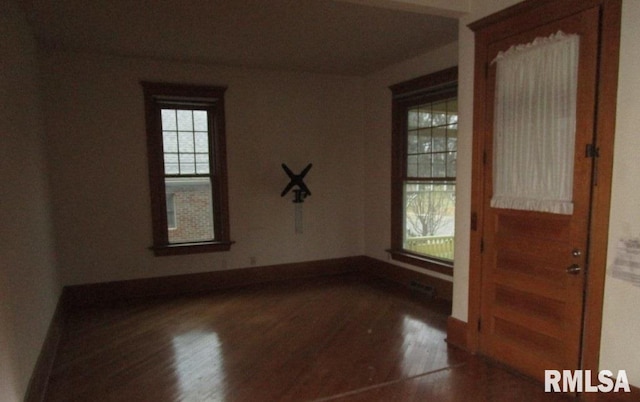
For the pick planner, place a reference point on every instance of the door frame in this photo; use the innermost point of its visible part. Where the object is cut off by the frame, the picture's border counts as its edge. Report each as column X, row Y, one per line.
column 518, row 18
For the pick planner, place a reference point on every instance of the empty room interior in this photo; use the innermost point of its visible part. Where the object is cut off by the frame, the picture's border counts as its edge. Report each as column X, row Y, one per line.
column 288, row 200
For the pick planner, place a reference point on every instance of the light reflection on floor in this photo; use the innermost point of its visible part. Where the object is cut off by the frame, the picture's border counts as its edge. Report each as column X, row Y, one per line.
column 199, row 366
column 415, row 340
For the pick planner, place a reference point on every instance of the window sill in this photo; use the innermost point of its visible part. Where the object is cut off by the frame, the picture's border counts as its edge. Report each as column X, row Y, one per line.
column 432, row 264
column 191, row 248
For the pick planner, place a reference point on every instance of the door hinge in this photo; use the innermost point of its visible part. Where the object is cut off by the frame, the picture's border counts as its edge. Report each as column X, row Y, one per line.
column 481, row 245
column 484, row 157
column 592, row 151
column 479, row 325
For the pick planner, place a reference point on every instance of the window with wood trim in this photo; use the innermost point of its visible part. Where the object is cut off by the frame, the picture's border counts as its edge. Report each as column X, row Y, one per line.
column 425, row 127
column 187, row 168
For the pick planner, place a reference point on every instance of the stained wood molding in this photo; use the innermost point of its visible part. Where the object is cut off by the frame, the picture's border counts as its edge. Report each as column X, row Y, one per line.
column 404, row 276
column 100, row 293
column 456, row 333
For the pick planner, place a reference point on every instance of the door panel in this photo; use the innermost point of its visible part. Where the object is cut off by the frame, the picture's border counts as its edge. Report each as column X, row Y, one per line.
column 531, row 307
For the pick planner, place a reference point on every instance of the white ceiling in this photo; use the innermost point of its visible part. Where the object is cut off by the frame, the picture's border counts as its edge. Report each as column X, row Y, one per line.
column 324, row 36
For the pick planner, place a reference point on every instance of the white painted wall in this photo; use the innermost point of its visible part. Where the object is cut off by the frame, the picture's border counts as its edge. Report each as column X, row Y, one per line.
column 621, row 322
column 97, row 152
column 28, row 285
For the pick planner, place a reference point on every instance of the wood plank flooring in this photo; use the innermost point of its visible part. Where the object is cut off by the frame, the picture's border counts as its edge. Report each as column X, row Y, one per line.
column 345, row 337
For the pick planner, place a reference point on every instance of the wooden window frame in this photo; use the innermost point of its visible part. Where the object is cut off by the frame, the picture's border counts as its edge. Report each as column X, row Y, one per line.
column 211, row 97
column 424, row 89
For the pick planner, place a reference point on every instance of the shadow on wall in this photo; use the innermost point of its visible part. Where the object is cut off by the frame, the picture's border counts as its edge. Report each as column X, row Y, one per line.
column 8, row 386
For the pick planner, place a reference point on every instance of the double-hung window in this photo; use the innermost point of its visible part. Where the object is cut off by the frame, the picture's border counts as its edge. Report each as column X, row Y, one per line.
column 187, row 168
column 425, row 126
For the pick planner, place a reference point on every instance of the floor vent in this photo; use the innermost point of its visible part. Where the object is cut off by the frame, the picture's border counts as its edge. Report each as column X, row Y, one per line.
column 422, row 288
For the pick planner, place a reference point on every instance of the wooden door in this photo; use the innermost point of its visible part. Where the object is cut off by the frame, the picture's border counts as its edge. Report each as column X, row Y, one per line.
column 533, row 263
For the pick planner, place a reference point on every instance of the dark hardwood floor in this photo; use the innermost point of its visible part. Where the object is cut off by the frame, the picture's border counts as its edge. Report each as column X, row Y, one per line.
column 346, row 337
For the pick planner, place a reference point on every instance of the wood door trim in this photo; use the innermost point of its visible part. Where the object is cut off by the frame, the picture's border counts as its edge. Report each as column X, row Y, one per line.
column 601, row 195
column 456, row 333
column 533, row 13
column 488, row 30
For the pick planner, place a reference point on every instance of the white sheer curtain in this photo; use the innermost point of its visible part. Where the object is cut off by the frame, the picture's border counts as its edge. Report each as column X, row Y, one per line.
column 534, row 125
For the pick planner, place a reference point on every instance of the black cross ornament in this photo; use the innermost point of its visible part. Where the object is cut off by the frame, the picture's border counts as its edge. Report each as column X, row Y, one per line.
column 302, row 191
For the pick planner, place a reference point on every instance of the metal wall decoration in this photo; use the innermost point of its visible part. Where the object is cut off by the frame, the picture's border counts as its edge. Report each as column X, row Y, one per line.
column 302, row 191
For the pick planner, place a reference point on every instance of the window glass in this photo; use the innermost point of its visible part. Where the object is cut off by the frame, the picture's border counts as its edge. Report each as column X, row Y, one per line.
column 429, row 204
column 429, row 214
column 193, row 209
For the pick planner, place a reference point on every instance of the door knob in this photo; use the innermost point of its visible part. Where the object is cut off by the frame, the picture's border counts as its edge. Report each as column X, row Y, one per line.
column 574, row 269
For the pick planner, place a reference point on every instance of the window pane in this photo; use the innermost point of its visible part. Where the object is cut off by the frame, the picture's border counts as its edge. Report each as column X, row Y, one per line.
column 187, row 164
column 202, row 142
column 424, row 141
column 412, row 166
column 200, row 120
column 425, row 117
column 169, row 119
column 439, row 167
column 193, row 209
column 171, row 165
column 412, row 142
column 185, row 142
column 440, row 114
column 439, row 139
column 429, row 210
column 170, row 141
column 202, row 163
column 424, row 165
column 429, row 145
column 452, row 139
column 451, row 164
column 185, row 120
column 412, row 122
